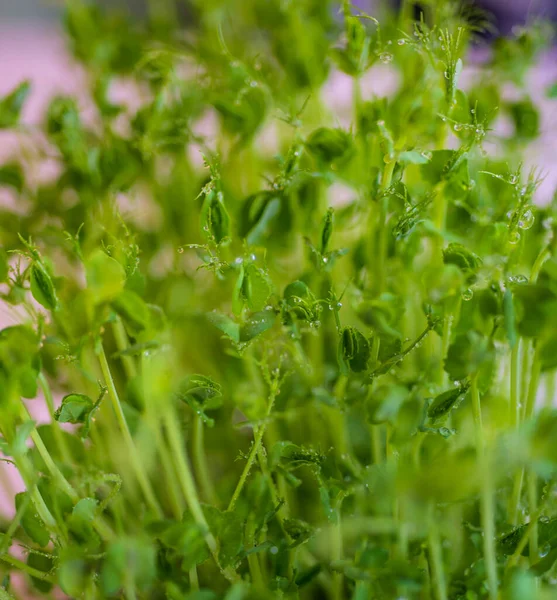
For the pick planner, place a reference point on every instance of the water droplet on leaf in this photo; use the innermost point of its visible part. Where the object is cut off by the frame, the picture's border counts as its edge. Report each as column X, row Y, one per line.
column 527, row 220
column 514, row 237
column 467, row 294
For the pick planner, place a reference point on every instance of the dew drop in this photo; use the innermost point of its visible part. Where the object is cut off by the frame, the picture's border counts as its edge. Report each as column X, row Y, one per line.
column 180, row 250
column 527, row 220
column 238, row 261
column 457, row 127
column 521, row 279
column 339, row 304
column 447, row 75
column 544, row 519
column 544, row 550
column 472, row 111
column 325, row 260
column 401, row 42
column 513, row 179
column 467, row 294
column 514, row 237
column 274, row 550
column 385, row 57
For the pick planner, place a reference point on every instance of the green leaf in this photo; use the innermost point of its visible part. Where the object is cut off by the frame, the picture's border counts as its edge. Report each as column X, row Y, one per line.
column 128, row 561
column 72, row 576
column 256, row 287
column 229, row 327
column 75, row 408
column 468, row 354
column 215, row 221
column 81, row 521
column 445, row 402
column 413, row 157
column 384, row 403
column 106, row 277
column 257, row 324
column 186, row 541
column 11, row 105
column 32, row 524
column 228, row 528
column 133, row 310
column 464, row 259
column 329, row 145
column 11, row 174
column 535, row 307
column 200, row 393
column 327, row 231
column 42, row 287
column 353, row 351
column 526, row 119
column 42, row 563
column 261, row 228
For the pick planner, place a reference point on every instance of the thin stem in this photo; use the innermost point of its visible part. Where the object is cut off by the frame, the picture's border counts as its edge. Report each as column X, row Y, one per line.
column 137, row 466
column 48, row 461
column 187, row 483
column 200, row 462
column 383, row 233
column 336, row 554
column 533, row 507
column 253, row 453
column 515, row 385
column 21, row 566
column 58, row 432
column 436, row 558
column 122, row 342
column 487, row 495
column 194, row 580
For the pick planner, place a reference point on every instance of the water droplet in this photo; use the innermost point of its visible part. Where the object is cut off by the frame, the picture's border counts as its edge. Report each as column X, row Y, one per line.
column 527, row 220
column 513, row 179
column 480, row 131
column 339, row 304
column 254, row 84
column 401, row 42
column 296, row 153
column 467, row 294
column 447, row 75
column 385, row 57
column 544, row 519
column 521, row 279
column 238, row 261
column 457, row 127
column 252, row 256
column 472, row 111
column 514, row 237
column 544, row 550
column 325, row 260
column 180, row 250
column 206, row 228
column 274, row 550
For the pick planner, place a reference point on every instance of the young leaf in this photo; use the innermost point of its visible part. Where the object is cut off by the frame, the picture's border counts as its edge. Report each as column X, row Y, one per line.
column 11, row 105
column 353, row 351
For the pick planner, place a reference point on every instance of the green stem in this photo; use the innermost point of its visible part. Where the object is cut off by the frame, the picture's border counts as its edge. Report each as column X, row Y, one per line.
column 58, row 432
column 383, row 233
column 260, row 432
column 194, row 580
column 137, row 466
column 515, row 385
column 436, row 558
column 487, row 495
column 336, row 555
column 48, row 461
column 122, row 342
column 187, row 483
column 533, row 507
column 200, row 462
column 21, row 566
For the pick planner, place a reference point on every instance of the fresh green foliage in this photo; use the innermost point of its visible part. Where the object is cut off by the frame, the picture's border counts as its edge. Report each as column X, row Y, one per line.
column 287, row 352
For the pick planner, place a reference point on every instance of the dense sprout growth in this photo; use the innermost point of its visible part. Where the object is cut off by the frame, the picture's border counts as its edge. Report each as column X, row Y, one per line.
column 286, row 352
